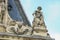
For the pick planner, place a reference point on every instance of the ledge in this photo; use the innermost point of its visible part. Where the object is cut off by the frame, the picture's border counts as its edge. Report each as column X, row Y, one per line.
column 25, row 36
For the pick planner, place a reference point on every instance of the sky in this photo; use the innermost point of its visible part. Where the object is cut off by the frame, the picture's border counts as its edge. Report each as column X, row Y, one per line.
column 51, row 12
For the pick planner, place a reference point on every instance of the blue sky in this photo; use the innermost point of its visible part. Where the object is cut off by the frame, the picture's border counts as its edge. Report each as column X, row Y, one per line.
column 51, row 12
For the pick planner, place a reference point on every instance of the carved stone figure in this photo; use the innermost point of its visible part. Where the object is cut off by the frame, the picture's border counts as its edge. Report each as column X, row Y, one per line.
column 37, row 17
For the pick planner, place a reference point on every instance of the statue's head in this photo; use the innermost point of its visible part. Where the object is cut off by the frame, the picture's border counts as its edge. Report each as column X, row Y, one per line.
column 39, row 8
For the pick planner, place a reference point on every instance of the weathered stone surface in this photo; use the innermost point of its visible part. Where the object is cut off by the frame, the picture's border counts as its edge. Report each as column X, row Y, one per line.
column 2, row 28
column 15, row 30
column 14, row 27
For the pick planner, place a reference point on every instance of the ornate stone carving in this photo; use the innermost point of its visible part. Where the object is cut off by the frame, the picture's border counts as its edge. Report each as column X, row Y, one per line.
column 2, row 10
column 12, row 28
column 25, row 29
column 15, row 30
column 39, row 27
column 37, row 17
column 19, row 28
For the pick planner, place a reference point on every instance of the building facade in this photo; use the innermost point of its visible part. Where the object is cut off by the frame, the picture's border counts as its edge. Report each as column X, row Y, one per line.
column 14, row 24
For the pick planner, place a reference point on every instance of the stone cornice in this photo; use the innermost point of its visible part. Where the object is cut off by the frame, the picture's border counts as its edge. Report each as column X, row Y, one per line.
column 25, row 36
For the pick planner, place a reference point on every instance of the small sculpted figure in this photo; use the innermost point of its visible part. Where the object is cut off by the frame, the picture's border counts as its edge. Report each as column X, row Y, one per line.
column 37, row 17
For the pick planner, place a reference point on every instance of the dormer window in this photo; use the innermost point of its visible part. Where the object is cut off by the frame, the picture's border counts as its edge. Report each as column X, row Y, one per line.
column 9, row 7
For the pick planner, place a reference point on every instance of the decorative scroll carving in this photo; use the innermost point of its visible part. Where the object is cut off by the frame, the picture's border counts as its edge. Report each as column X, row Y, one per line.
column 25, row 29
column 19, row 28
column 12, row 28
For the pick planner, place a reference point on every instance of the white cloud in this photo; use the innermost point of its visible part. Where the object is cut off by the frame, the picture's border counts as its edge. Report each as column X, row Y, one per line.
column 56, row 36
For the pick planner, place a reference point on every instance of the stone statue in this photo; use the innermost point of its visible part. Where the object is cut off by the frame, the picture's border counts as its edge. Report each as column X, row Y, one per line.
column 38, row 17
